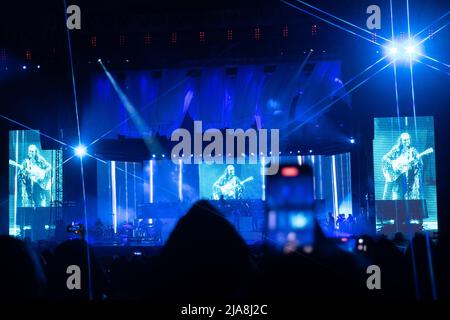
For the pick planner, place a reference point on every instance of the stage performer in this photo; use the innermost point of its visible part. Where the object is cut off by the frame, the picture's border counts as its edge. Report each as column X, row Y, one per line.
column 402, row 168
column 35, row 177
column 228, row 186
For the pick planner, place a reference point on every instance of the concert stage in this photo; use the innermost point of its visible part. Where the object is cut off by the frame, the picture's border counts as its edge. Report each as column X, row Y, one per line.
column 224, row 149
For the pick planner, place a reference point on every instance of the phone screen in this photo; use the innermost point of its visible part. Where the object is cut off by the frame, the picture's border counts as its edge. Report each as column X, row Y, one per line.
column 290, row 207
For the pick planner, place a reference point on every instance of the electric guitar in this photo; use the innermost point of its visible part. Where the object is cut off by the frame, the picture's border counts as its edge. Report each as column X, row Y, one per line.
column 228, row 190
column 395, row 168
column 35, row 174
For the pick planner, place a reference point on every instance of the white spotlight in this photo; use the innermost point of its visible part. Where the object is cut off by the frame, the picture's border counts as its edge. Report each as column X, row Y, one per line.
column 410, row 49
column 80, row 151
column 404, row 51
column 393, row 50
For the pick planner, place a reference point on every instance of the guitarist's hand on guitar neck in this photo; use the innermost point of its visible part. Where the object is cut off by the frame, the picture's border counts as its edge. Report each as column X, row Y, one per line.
column 396, row 167
column 35, row 174
column 229, row 189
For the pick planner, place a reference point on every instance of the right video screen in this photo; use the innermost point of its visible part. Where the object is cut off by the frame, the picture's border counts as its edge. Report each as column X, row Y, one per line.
column 405, row 174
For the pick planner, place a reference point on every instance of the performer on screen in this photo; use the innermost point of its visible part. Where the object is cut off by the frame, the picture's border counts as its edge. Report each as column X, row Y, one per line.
column 228, row 186
column 402, row 169
column 34, row 173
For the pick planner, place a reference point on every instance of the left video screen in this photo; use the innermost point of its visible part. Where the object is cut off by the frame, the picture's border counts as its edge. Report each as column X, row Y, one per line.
column 32, row 173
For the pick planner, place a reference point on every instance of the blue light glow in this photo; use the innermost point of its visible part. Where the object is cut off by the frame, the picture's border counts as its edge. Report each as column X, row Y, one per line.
column 80, row 151
column 405, row 51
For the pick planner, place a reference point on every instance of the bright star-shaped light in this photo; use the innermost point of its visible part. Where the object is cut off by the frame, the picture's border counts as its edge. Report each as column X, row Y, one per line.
column 393, row 50
column 410, row 49
column 80, row 151
column 404, row 51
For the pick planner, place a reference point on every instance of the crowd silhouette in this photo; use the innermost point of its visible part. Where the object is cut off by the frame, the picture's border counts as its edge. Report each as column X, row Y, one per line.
column 206, row 259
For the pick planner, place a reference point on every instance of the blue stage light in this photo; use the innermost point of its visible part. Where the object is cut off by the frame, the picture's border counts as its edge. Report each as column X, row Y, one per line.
column 352, row 140
column 410, row 49
column 405, row 51
column 393, row 50
column 24, row 67
column 80, row 151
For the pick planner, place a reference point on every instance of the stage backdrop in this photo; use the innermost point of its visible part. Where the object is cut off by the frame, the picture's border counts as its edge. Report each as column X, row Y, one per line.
column 220, row 96
column 421, row 181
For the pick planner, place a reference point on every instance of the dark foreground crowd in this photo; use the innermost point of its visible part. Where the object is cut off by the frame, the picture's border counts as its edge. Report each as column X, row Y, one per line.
column 205, row 258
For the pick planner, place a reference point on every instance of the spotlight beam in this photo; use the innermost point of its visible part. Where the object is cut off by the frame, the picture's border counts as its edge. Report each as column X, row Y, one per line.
column 340, row 98
column 131, row 109
column 151, row 103
column 413, row 96
column 131, row 116
column 432, row 34
column 35, row 131
column 65, row 161
column 117, row 168
column 435, row 60
column 139, row 122
column 395, row 66
column 130, row 174
column 340, row 19
column 98, row 159
column 407, row 17
column 410, row 51
column 68, row 159
column 392, row 20
column 74, row 88
column 396, row 93
column 432, row 67
column 351, row 90
column 343, row 85
column 300, row 69
column 333, row 24
column 432, row 23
